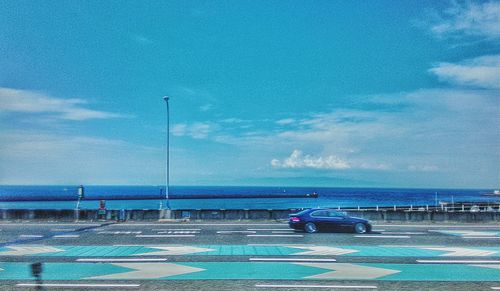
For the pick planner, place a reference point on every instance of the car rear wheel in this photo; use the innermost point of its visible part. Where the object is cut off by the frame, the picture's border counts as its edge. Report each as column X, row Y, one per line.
column 310, row 227
column 360, row 228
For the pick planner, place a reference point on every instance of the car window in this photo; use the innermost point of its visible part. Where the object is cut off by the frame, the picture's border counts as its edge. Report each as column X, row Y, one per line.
column 336, row 214
column 323, row 213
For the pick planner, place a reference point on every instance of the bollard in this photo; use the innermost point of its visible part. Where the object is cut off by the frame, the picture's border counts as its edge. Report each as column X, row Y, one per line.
column 411, row 207
column 358, row 208
column 377, row 207
column 394, row 207
column 427, row 207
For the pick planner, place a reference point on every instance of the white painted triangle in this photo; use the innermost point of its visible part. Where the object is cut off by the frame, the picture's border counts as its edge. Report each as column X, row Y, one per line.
column 148, row 271
column 348, row 271
column 29, row 250
column 462, row 252
column 175, row 251
column 321, row 251
column 491, row 266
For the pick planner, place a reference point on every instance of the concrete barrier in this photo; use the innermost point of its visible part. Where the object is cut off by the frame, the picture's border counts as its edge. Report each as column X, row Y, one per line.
column 387, row 215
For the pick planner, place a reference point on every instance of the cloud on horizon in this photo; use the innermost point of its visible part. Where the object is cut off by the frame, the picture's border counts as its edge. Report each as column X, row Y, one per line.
column 26, row 101
column 299, row 161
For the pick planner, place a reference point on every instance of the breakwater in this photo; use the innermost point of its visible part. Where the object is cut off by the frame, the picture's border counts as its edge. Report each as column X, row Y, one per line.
column 456, row 213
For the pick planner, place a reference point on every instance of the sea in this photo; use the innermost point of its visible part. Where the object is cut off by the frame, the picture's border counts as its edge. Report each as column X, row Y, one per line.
column 153, row 197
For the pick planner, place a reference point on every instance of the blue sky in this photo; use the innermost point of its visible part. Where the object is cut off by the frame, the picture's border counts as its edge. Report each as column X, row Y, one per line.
column 298, row 93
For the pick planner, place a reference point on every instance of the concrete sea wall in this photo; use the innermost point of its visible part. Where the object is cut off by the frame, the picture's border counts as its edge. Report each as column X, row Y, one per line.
column 397, row 215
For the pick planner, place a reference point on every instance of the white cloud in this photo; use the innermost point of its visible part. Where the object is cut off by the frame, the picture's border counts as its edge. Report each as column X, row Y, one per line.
column 469, row 19
column 197, row 130
column 25, row 101
column 297, row 161
column 206, row 107
column 481, row 72
column 285, row 121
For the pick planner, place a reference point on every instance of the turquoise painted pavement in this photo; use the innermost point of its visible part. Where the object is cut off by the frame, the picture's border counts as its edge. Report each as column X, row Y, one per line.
column 253, row 270
column 248, row 250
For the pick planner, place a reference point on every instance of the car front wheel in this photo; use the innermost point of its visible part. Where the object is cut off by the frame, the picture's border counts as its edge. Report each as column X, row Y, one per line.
column 310, row 227
column 360, row 228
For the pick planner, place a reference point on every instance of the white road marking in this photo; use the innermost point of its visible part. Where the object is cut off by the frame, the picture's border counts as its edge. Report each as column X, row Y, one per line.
column 66, row 236
column 31, row 235
column 283, row 231
column 119, row 232
column 378, row 230
column 462, row 252
column 382, row 236
column 56, row 285
column 275, row 235
column 29, row 250
column 235, row 231
column 403, row 232
column 148, row 271
column 467, row 233
column 50, row 224
column 290, row 260
column 482, row 237
column 495, row 288
column 319, row 286
column 346, row 271
column 62, row 229
column 175, row 250
column 321, row 250
column 179, row 229
column 178, row 232
column 268, row 229
column 119, row 260
column 165, row 235
column 284, row 245
column 458, row 261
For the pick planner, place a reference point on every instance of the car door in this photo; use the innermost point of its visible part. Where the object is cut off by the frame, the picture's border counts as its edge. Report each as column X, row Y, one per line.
column 321, row 219
column 337, row 220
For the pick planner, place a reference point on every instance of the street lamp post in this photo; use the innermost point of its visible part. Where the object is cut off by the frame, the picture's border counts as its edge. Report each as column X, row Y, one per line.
column 167, row 171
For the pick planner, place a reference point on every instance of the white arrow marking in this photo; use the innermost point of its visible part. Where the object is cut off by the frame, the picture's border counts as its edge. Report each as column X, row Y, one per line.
column 348, row 271
column 462, row 252
column 175, row 251
column 321, row 251
column 148, row 271
column 29, row 250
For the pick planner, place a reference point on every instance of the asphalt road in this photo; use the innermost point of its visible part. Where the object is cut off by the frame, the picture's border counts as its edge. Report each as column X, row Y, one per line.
column 251, row 255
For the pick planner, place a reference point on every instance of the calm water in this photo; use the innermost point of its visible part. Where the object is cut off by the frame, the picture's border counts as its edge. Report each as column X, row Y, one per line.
column 328, row 197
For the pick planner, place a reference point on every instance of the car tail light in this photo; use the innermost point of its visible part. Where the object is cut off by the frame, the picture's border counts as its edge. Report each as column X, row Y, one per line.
column 295, row 219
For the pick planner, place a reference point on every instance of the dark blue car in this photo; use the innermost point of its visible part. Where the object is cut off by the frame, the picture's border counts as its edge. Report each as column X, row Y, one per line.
column 318, row 219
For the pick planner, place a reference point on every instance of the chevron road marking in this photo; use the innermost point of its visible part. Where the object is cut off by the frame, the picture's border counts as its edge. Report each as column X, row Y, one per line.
column 55, row 285
column 321, row 251
column 148, row 271
column 348, row 271
column 29, row 250
column 462, row 252
column 318, row 286
column 175, row 250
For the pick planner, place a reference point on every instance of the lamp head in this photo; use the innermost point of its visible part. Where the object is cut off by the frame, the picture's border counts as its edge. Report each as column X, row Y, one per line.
column 166, row 98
